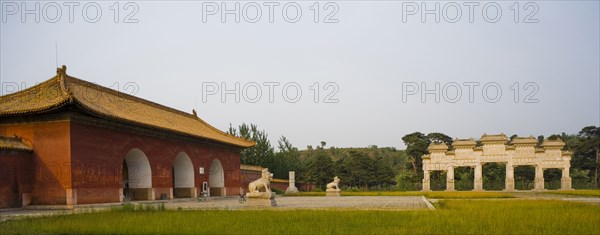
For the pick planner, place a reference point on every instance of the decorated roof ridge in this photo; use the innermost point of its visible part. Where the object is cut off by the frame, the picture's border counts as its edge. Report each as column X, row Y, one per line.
column 159, row 106
column 464, row 142
column 32, row 88
column 70, row 79
column 14, row 103
column 14, row 143
column 154, row 104
column 492, row 138
column 556, row 143
column 557, row 140
column 524, row 140
column 437, row 146
column 63, row 89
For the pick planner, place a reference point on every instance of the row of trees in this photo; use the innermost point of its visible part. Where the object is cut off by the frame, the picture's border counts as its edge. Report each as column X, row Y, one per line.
column 358, row 168
column 263, row 154
column 388, row 168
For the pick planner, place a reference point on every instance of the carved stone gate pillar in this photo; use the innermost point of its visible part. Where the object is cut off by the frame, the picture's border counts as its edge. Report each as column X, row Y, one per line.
column 450, row 179
column 539, row 178
column 510, row 178
column 426, row 185
column 565, row 181
column 478, row 182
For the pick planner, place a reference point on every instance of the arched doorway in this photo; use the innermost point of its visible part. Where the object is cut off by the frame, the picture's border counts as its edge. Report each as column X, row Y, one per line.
column 552, row 178
column 137, row 176
column 494, row 176
column 183, row 177
column 216, row 178
column 524, row 177
column 464, row 178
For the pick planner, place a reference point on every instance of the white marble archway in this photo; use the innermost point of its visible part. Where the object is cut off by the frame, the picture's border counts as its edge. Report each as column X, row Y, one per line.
column 137, row 176
column 183, row 176
column 216, row 178
column 519, row 152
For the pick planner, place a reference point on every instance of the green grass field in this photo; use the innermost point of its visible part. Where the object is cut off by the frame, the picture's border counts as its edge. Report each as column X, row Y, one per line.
column 452, row 216
column 590, row 192
column 439, row 195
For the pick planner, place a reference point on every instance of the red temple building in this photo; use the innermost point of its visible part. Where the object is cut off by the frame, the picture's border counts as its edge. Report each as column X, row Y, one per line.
column 67, row 141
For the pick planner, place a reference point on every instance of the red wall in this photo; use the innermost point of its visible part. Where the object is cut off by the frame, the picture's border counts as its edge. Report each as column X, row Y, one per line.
column 249, row 176
column 50, row 162
column 98, row 154
column 16, row 178
column 280, row 185
column 75, row 163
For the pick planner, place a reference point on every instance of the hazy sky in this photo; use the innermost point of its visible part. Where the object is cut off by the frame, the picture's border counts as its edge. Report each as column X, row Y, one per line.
column 370, row 62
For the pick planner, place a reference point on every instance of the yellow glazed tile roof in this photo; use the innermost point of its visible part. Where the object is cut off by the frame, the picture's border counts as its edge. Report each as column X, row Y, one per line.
column 13, row 143
column 275, row 180
column 62, row 90
column 250, row 168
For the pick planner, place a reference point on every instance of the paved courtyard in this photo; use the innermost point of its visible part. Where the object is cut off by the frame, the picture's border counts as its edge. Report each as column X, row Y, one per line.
column 313, row 202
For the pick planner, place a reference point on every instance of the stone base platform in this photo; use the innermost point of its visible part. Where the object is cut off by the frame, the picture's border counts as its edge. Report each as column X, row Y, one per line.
column 291, row 189
column 332, row 193
column 261, row 202
column 263, row 195
column 260, row 199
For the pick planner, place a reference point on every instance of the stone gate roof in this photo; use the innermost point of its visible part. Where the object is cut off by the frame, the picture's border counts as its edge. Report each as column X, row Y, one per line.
column 494, row 138
column 63, row 90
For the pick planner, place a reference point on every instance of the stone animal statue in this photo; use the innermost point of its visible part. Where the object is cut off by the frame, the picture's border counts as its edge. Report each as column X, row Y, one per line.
column 334, row 184
column 263, row 182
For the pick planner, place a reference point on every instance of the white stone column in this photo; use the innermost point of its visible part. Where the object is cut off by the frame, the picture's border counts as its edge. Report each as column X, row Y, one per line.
column 510, row 177
column 565, row 181
column 539, row 178
column 292, row 183
column 478, row 181
column 426, row 182
column 450, row 179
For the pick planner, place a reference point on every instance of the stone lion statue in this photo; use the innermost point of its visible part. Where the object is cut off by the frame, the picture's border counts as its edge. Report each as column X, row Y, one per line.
column 334, row 184
column 263, row 183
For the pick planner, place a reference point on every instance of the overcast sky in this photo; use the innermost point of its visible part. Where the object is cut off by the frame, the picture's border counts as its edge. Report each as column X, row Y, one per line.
column 367, row 70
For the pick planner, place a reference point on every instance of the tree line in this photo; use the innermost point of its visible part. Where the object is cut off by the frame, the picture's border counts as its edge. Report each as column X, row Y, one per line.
column 375, row 168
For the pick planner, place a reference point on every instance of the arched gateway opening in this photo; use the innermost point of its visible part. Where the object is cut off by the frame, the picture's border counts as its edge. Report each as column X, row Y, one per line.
column 183, row 177
column 464, row 178
column 524, row 177
column 137, row 176
column 552, row 178
column 216, row 178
